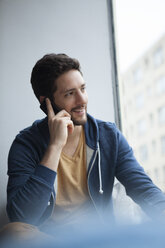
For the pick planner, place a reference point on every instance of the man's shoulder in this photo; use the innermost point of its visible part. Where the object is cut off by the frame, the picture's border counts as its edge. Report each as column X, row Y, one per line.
column 107, row 129
column 103, row 127
column 36, row 125
column 99, row 121
column 102, row 124
column 106, row 123
column 34, row 131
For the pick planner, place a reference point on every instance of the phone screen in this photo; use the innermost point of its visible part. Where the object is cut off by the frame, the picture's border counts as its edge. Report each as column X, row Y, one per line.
column 44, row 107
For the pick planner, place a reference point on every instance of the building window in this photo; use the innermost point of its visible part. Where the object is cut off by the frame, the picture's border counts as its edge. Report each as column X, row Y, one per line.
column 164, row 173
column 146, row 62
column 137, row 75
column 151, row 119
column 141, row 126
column 160, row 85
column 143, row 153
column 153, row 146
column 149, row 91
column 156, row 173
column 161, row 115
column 158, row 57
column 139, row 100
column 163, row 145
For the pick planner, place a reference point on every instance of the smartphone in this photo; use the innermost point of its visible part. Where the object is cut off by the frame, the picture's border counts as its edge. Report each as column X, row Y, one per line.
column 44, row 107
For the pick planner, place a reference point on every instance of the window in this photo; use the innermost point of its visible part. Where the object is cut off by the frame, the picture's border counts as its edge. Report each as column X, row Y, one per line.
column 141, row 126
column 143, row 153
column 142, row 63
column 146, row 62
column 156, row 173
column 137, row 75
column 139, row 100
column 151, row 119
column 160, row 85
column 158, row 56
column 153, row 146
column 149, row 91
column 161, row 115
column 163, row 145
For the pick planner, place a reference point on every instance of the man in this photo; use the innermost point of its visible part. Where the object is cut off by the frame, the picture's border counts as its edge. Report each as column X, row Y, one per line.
column 80, row 154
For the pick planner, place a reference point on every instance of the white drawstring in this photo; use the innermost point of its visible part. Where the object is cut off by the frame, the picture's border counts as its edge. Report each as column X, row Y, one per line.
column 99, row 167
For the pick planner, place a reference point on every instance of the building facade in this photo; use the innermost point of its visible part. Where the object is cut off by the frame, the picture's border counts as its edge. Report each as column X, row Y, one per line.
column 142, row 95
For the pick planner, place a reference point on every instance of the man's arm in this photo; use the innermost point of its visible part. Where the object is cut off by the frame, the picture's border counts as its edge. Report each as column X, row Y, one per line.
column 137, row 183
column 31, row 179
column 30, row 184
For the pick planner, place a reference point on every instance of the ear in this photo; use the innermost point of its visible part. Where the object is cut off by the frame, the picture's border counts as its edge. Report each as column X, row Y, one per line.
column 41, row 98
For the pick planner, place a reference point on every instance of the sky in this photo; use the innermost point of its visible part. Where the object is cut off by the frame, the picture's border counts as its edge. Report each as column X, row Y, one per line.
column 139, row 24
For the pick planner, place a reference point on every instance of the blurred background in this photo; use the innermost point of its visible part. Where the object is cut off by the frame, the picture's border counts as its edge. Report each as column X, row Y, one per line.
column 140, row 46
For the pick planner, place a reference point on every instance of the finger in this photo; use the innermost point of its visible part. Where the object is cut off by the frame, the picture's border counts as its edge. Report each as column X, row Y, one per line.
column 50, row 111
column 63, row 113
column 70, row 126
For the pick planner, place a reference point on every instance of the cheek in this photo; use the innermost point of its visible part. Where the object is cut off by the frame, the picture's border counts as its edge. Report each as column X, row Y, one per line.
column 86, row 98
column 68, row 104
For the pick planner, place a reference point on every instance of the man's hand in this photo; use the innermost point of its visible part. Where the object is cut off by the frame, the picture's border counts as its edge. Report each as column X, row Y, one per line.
column 59, row 126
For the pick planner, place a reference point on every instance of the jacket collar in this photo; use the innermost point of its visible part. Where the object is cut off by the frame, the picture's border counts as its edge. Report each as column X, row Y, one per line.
column 91, row 132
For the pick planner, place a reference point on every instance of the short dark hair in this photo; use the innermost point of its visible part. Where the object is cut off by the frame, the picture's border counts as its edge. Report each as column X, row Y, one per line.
column 48, row 69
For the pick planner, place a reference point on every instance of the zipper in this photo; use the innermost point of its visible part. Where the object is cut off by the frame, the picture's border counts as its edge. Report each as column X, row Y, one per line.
column 88, row 185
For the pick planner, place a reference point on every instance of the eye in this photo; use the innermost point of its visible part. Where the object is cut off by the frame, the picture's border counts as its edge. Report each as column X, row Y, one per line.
column 83, row 88
column 69, row 93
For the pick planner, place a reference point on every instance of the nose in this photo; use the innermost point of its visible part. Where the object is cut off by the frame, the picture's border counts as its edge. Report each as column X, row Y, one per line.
column 81, row 98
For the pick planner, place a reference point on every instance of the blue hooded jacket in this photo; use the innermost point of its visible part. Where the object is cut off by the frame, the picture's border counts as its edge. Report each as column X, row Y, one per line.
column 30, row 191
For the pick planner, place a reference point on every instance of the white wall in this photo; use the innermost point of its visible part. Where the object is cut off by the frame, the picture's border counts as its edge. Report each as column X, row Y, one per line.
column 30, row 29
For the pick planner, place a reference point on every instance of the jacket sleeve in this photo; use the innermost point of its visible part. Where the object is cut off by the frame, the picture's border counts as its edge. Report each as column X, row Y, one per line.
column 30, row 184
column 137, row 183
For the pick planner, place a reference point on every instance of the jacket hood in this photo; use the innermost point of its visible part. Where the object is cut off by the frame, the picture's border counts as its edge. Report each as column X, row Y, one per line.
column 91, row 132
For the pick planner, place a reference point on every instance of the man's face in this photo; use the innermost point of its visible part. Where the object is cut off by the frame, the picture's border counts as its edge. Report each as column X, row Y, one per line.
column 71, row 95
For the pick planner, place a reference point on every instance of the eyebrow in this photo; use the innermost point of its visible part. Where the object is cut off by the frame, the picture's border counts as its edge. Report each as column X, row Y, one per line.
column 68, row 90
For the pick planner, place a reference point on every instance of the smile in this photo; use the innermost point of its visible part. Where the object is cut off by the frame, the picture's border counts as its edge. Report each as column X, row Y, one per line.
column 80, row 111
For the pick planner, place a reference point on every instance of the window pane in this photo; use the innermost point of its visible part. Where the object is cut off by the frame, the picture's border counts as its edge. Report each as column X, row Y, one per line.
column 141, row 127
column 140, row 45
column 143, row 152
column 163, row 145
column 137, row 75
column 139, row 100
column 160, row 85
column 158, row 56
column 161, row 115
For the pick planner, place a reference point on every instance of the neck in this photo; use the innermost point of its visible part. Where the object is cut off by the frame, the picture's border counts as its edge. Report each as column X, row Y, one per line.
column 76, row 133
column 72, row 141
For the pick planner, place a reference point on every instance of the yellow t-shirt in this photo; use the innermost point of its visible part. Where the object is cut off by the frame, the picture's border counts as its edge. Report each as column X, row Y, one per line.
column 72, row 191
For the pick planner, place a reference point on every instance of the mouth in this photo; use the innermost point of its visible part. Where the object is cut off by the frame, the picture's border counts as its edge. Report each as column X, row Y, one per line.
column 79, row 110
